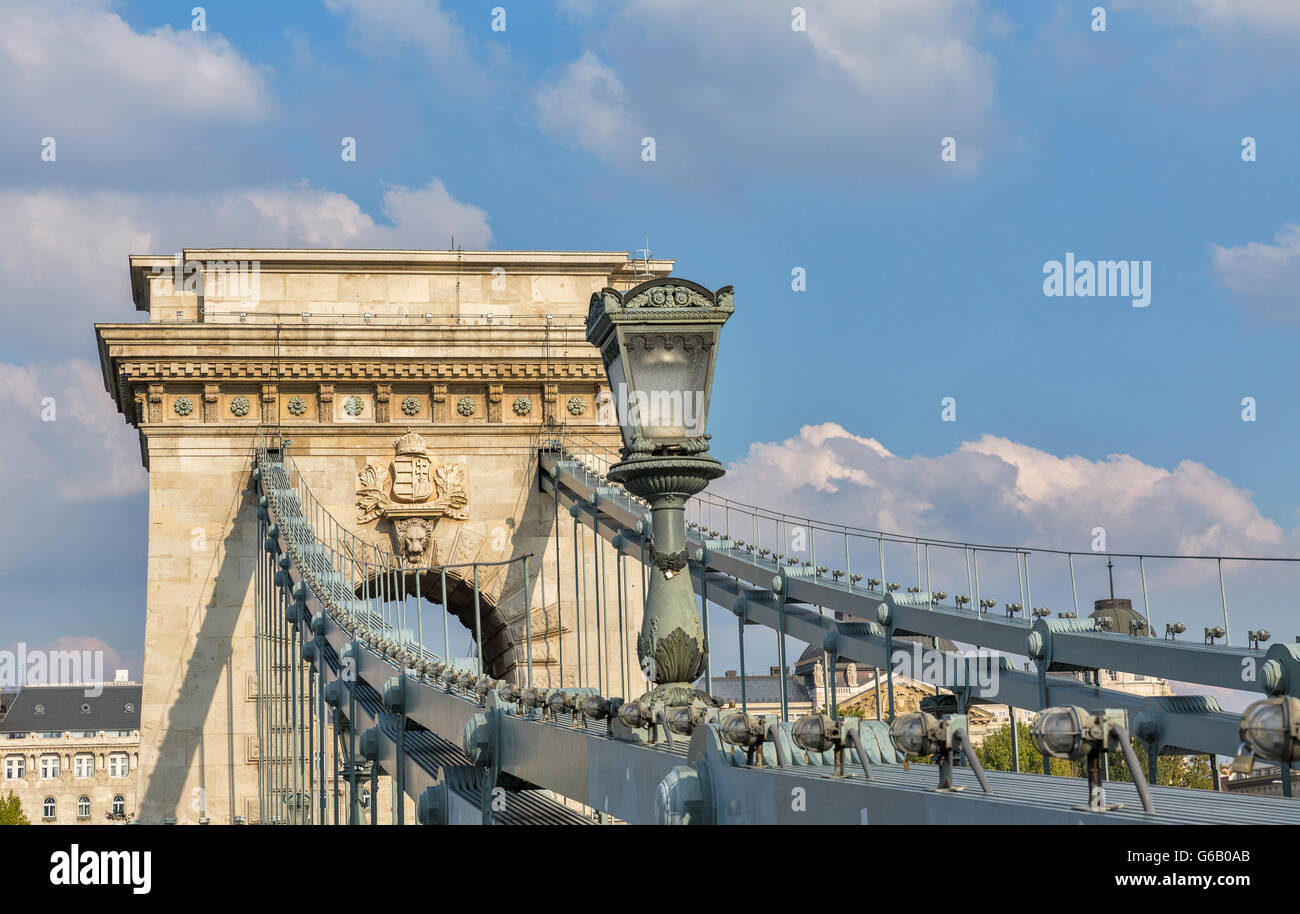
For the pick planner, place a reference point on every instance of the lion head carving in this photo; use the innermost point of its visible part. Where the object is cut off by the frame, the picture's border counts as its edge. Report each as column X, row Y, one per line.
column 413, row 537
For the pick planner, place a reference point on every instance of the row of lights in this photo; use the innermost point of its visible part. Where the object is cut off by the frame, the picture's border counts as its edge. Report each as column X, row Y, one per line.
column 1269, row 729
column 1136, row 627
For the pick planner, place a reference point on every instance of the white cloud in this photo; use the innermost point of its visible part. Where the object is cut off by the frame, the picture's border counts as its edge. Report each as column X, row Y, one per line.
column 1220, row 15
column 63, row 254
column 866, row 86
column 996, row 490
column 1264, row 276
column 1002, row 493
column 380, row 26
column 74, row 70
column 588, row 105
column 63, row 438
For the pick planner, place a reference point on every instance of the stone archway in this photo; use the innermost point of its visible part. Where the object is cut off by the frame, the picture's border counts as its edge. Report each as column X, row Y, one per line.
column 501, row 614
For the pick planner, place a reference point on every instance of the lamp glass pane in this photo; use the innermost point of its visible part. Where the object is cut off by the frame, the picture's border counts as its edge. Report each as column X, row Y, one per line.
column 670, row 373
column 618, row 389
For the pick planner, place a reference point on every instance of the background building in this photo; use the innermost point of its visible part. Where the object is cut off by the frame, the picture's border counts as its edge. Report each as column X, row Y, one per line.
column 71, row 758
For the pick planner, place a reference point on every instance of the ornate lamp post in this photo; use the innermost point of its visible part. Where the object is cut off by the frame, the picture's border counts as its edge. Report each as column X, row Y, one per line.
column 659, row 344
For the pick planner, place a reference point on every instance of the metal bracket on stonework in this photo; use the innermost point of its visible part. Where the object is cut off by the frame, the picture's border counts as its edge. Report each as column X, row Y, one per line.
column 263, row 509
column 296, row 611
column 885, row 616
column 481, row 740
column 282, row 578
column 433, row 807
column 740, row 607
column 333, row 695
column 334, row 692
column 395, row 703
column 686, row 796
column 1158, row 715
column 368, row 746
column 273, row 539
column 1280, row 673
column 1039, row 643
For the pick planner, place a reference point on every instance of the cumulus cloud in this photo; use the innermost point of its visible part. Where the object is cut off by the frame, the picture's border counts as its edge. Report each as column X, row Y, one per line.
column 63, row 254
column 1000, row 492
column 993, row 489
column 588, row 103
column 731, row 82
column 1263, row 276
column 74, row 70
column 377, row 27
column 63, row 438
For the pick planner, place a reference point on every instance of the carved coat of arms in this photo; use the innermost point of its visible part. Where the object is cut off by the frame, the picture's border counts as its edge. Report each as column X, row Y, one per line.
column 413, row 492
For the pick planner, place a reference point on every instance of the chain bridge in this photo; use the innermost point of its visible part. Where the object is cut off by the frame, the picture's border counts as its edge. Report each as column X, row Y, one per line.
column 300, row 665
column 373, row 694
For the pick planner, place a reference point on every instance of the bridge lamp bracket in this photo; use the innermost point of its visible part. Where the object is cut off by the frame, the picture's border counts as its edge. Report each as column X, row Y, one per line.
column 922, row 733
column 1269, row 729
column 1070, row 732
column 817, row 733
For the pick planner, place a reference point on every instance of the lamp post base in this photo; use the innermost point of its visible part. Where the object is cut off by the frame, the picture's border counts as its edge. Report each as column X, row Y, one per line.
column 673, row 694
column 672, row 646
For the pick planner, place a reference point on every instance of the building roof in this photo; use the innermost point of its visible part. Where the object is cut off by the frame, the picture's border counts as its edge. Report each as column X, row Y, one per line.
column 813, row 654
column 1121, row 613
column 762, row 689
column 67, row 707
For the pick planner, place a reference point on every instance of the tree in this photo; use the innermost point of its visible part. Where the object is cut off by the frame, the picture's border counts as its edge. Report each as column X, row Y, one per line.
column 11, row 811
column 995, row 753
column 1171, row 770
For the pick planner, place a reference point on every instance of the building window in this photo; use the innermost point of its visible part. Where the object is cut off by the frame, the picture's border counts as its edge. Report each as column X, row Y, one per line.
column 119, row 805
column 83, row 808
column 48, row 808
column 83, row 766
column 117, row 732
column 51, row 734
column 14, row 768
column 119, row 764
column 49, row 766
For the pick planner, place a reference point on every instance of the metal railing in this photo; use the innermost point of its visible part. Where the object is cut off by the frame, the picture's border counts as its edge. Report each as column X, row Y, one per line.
column 863, row 558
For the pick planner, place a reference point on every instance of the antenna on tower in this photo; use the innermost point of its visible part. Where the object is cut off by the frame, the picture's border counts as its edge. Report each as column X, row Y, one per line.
column 1110, row 570
column 645, row 259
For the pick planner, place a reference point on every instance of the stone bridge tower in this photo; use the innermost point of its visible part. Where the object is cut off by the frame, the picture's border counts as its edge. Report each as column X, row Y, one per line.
column 344, row 352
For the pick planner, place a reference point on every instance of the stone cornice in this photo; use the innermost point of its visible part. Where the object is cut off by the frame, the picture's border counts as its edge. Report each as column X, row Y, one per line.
column 133, row 356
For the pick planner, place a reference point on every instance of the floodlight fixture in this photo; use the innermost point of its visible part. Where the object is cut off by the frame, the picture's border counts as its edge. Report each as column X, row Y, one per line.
column 1270, row 729
column 817, row 733
column 1070, row 732
column 922, row 733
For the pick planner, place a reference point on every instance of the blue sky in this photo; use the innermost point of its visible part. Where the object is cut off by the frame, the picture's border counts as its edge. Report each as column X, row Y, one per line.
column 775, row 149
